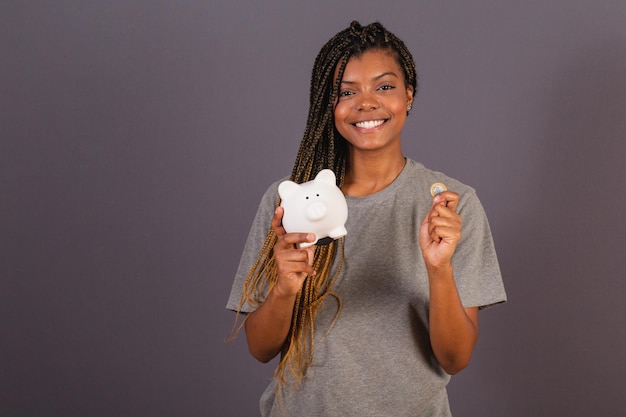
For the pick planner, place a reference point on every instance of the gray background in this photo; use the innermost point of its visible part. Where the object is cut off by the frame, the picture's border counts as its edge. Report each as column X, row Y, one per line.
column 138, row 136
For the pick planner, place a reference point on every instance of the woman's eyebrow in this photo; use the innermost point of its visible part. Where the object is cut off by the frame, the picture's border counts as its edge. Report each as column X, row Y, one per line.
column 375, row 78
column 386, row 73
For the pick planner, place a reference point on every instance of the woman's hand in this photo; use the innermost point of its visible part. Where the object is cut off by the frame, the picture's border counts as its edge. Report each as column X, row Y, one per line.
column 453, row 329
column 292, row 263
column 268, row 326
column 441, row 231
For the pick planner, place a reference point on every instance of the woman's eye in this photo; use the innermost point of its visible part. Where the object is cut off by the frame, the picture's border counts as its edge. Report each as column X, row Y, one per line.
column 345, row 93
column 387, row 87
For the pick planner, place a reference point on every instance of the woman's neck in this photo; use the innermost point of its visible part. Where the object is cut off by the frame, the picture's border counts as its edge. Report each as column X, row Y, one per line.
column 368, row 174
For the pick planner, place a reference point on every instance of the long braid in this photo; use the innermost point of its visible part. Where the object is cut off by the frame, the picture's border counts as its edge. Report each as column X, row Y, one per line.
column 321, row 147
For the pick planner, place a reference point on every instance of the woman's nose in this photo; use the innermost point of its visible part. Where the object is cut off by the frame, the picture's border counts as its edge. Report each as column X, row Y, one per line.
column 367, row 101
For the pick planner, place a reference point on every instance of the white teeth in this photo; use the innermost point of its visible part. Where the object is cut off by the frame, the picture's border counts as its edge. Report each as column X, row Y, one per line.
column 369, row 124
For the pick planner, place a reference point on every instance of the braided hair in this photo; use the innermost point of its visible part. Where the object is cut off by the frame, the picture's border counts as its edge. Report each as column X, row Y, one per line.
column 321, row 147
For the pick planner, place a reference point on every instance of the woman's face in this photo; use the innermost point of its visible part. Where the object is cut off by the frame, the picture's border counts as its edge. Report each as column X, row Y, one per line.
column 372, row 104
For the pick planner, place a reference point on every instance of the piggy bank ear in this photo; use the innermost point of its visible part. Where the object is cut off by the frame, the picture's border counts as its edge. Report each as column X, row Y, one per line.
column 326, row 176
column 287, row 189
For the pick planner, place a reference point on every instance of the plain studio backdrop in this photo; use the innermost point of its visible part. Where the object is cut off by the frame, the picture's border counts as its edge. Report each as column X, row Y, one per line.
column 137, row 138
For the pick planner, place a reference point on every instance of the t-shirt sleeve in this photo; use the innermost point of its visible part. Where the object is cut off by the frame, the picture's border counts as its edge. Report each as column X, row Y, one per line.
column 475, row 262
column 254, row 243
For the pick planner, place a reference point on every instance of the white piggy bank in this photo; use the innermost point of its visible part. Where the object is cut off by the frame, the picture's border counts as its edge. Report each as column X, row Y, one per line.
column 316, row 206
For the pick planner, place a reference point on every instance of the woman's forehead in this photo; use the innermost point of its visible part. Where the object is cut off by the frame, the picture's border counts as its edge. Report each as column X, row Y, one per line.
column 375, row 60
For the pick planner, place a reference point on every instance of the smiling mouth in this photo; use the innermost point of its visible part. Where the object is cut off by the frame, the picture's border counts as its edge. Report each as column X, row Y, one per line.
column 369, row 124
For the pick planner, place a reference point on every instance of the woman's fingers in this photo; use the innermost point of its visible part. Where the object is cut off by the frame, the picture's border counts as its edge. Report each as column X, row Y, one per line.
column 441, row 229
column 292, row 263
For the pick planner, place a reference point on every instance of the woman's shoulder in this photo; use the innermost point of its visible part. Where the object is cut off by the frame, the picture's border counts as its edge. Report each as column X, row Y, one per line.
column 424, row 178
column 271, row 192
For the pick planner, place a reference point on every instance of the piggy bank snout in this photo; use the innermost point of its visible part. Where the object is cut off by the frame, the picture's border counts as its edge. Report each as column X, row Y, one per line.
column 316, row 210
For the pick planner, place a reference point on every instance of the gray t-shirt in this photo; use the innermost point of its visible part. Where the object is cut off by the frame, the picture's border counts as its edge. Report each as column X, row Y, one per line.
column 377, row 359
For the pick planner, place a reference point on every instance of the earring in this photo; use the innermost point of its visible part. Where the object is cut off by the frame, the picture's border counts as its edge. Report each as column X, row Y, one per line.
column 408, row 107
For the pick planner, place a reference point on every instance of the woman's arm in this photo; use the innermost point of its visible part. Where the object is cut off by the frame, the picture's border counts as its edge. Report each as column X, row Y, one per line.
column 453, row 329
column 268, row 326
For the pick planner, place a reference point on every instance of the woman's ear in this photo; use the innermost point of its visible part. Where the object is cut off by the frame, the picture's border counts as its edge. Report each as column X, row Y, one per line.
column 409, row 95
column 409, row 98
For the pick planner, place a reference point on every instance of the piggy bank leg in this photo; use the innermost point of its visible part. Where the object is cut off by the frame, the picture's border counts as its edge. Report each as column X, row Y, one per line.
column 307, row 244
column 338, row 232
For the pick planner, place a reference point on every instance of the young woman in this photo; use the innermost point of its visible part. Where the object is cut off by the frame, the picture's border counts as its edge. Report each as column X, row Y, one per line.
column 374, row 323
